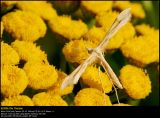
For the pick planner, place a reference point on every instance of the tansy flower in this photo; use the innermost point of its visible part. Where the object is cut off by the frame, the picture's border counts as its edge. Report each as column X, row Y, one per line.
column 68, row 28
column 13, row 80
column 20, row 100
column 136, row 8
column 23, row 25
column 56, row 88
column 41, row 75
column 135, row 82
column 41, row 8
column 28, row 51
column 97, row 34
column 8, row 55
column 2, row 28
column 96, row 79
column 145, row 29
column 76, row 51
column 95, row 7
column 46, row 99
column 141, row 50
column 121, row 104
column 106, row 19
column 91, row 97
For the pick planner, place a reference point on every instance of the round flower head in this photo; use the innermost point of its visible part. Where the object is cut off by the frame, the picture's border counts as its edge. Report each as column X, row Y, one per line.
column 135, row 82
column 23, row 25
column 46, row 99
column 2, row 28
column 8, row 55
column 76, row 51
column 56, row 88
column 96, row 7
column 28, row 51
column 145, row 29
column 121, row 104
column 20, row 100
column 68, row 28
column 41, row 8
column 91, row 97
column 141, row 50
column 41, row 75
column 136, row 8
column 96, row 79
column 106, row 19
column 13, row 80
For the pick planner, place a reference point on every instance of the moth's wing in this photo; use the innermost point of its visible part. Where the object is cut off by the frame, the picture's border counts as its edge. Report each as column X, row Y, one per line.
column 74, row 76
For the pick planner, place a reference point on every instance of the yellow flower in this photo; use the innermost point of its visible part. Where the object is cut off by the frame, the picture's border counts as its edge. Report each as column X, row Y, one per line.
column 68, row 28
column 106, row 19
column 91, row 97
column 95, row 34
column 76, row 51
column 96, row 79
column 13, row 80
column 136, row 8
column 41, row 75
column 20, row 100
column 56, row 88
column 41, row 8
column 2, row 28
column 96, row 7
column 46, row 99
column 142, row 50
column 28, row 51
column 145, row 29
column 122, row 104
column 23, row 25
column 8, row 55
column 135, row 82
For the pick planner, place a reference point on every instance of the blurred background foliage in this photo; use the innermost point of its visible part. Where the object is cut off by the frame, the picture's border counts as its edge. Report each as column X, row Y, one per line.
column 52, row 46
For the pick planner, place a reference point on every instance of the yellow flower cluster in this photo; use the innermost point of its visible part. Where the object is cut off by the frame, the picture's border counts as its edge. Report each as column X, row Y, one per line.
column 135, row 82
column 28, row 51
column 76, row 51
column 68, row 28
column 8, row 55
column 28, row 23
column 40, row 75
column 96, row 6
column 20, row 100
column 13, row 80
column 142, row 50
column 56, row 88
column 23, row 25
column 91, row 97
column 96, row 79
column 136, row 8
column 46, row 99
column 144, row 29
column 41, row 8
